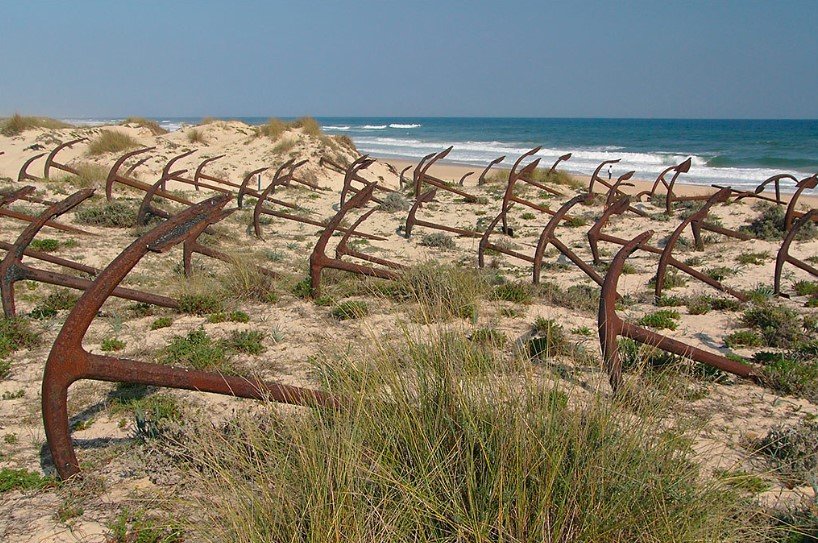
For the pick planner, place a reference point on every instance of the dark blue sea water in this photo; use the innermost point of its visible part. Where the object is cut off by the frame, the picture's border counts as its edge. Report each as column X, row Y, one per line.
column 736, row 152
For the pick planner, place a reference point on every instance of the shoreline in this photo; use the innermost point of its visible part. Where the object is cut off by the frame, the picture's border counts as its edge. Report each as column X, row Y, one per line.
column 455, row 170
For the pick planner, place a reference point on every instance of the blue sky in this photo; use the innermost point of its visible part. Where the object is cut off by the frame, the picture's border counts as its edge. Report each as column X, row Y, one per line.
column 742, row 59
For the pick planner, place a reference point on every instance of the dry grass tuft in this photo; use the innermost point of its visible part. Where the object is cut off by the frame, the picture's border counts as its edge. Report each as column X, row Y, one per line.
column 196, row 136
column 111, row 141
column 17, row 124
column 151, row 125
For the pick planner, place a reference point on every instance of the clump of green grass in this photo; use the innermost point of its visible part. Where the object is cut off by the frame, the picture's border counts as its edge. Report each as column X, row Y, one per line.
column 22, row 479
column 741, row 480
column 196, row 136
column 528, row 216
column 794, row 371
column 111, row 141
column 725, row 304
column 308, row 125
column 579, row 297
column 743, row 338
column 351, row 309
column 548, row 341
column 753, row 259
column 246, row 341
column 15, row 334
column 770, row 225
column 445, row 457
column 17, row 124
column 664, row 319
column 673, row 279
column 244, row 280
column 273, row 128
column 199, row 304
column 88, row 175
column 760, row 293
column 666, row 300
column 517, row 292
column 698, row 305
column 154, row 127
column 233, row 316
column 112, row 344
column 805, row 288
column 138, row 527
column 793, row 449
column 442, row 292
column 720, row 273
column 47, row 245
column 438, row 240
column 115, row 214
column 283, row 146
column 779, row 326
column 394, row 201
column 489, row 336
column 196, row 350
column 59, row 300
column 161, row 322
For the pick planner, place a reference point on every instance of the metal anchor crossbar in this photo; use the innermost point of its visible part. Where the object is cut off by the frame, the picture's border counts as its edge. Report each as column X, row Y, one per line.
column 412, row 220
column 23, row 175
column 611, row 326
column 244, row 189
column 595, row 235
column 22, row 193
column 115, row 177
column 326, row 162
column 51, row 160
column 791, row 214
column 69, row 362
column 421, row 177
column 12, row 268
column 549, row 235
column 485, row 243
column 48, row 257
column 169, row 175
column 343, row 248
column 260, row 209
column 199, row 174
column 784, row 255
column 319, row 259
column 596, row 179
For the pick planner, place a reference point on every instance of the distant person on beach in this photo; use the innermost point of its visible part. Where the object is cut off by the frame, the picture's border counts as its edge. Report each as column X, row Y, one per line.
column 609, row 172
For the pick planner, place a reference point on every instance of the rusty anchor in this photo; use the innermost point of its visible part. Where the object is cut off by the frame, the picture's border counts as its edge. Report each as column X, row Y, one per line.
column 421, row 176
column 791, row 214
column 244, row 188
column 784, row 255
column 482, row 179
column 24, row 193
column 611, row 326
column 23, row 175
column 326, row 162
column 12, row 269
column 51, row 160
column 69, row 362
column 319, row 259
column 351, row 174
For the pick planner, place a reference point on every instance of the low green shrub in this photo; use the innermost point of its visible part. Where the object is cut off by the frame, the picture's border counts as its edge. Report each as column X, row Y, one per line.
column 352, row 309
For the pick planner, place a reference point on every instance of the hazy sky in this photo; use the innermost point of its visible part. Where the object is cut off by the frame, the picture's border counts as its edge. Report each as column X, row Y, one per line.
column 573, row 59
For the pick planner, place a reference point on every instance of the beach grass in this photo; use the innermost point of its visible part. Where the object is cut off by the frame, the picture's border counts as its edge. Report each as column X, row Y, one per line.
column 154, row 127
column 111, row 141
column 17, row 124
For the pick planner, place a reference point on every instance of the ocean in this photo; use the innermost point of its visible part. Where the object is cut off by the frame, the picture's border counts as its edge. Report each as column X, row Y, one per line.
column 740, row 153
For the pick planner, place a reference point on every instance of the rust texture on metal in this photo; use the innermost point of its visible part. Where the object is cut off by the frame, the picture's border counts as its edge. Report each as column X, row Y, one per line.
column 343, row 248
column 69, row 362
column 784, row 256
column 463, row 178
column 595, row 176
column 328, row 163
column 401, row 180
column 24, row 176
column 791, row 214
column 595, row 235
column 23, row 194
column 611, row 326
column 482, row 179
column 422, row 176
column 412, row 220
column 486, row 244
column 245, row 185
column 51, row 160
column 351, row 174
column 563, row 158
column 12, row 269
column 319, row 258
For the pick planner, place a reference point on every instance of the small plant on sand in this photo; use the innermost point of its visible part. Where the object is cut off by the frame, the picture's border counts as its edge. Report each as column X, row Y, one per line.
column 394, row 201
column 489, row 336
column 770, row 224
column 673, row 279
column 16, row 334
column 753, row 259
column 438, row 240
column 161, row 322
column 46, row 245
column 111, row 141
column 793, row 450
column 154, row 127
column 720, row 273
column 112, row 344
column 17, row 124
column 199, row 304
column 743, row 338
column 725, row 304
column 245, row 281
column 794, row 371
column 22, row 479
column 308, row 125
column 59, row 300
column 670, row 301
column 805, row 288
column 517, row 292
column 273, row 128
column 196, row 136
column 549, row 340
column 664, row 319
column 779, row 326
column 442, row 292
column 698, row 305
column 115, row 214
column 353, row 309
column 245, row 341
column 196, row 350
column 527, row 216
column 579, row 297
column 138, row 527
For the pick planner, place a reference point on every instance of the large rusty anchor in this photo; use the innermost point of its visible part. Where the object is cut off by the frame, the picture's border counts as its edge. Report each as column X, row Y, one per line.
column 69, row 362
column 611, row 326
column 51, row 160
column 784, row 255
column 12, row 268
column 412, row 220
column 422, row 176
column 24, row 193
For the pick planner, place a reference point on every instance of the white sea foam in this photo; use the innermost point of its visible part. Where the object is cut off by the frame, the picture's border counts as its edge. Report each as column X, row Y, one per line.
column 583, row 161
column 397, row 125
column 331, row 127
column 374, row 127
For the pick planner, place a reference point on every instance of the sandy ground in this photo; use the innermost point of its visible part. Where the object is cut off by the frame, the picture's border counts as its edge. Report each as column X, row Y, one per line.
column 127, row 473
